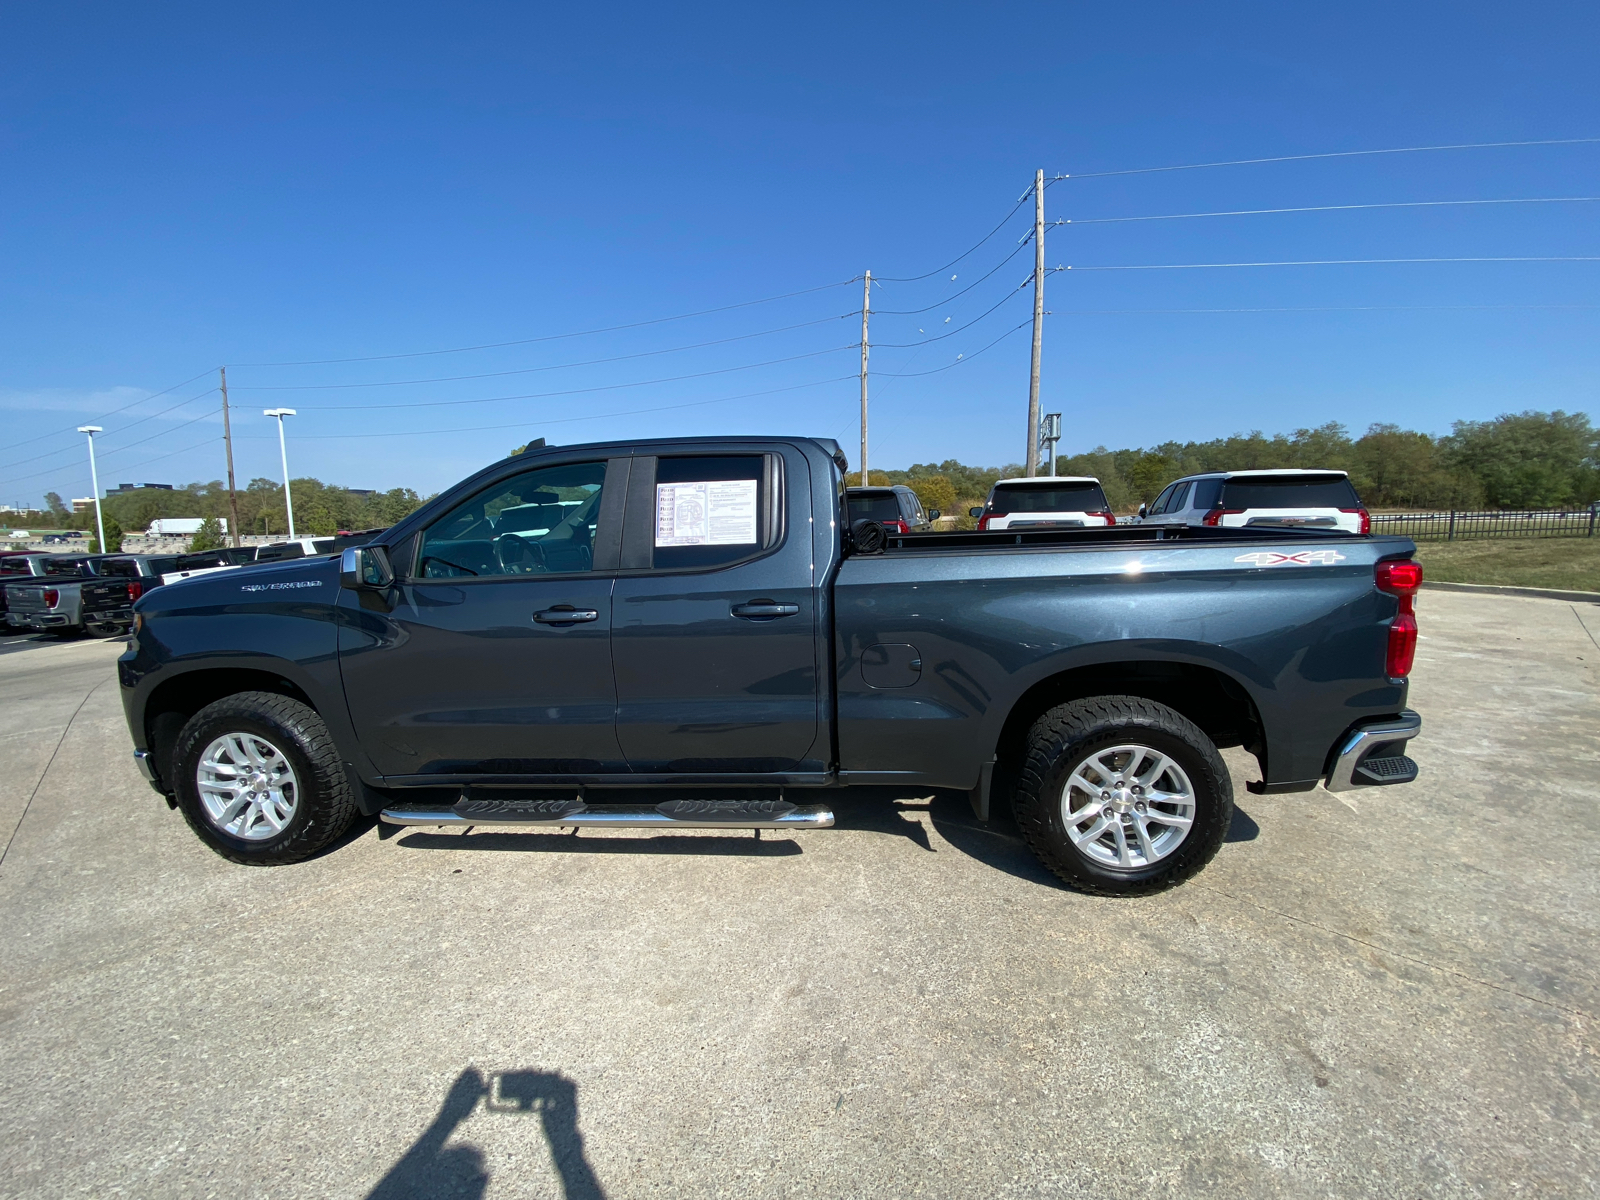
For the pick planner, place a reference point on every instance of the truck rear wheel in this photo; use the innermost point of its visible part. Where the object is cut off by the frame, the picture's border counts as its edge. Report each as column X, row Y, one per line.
column 1120, row 796
column 259, row 780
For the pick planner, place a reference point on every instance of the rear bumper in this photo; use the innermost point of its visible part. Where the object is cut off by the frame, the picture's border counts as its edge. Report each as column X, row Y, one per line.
column 43, row 620
column 1373, row 754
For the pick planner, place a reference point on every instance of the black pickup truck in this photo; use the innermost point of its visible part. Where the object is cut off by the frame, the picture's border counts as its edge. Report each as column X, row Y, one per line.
column 692, row 616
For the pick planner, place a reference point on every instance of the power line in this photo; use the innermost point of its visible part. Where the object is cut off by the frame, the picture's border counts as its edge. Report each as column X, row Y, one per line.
column 962, row 329
column 912, row 312
column 553, row 337
column 1101, row 312
column 965, row 358
column 1328, row 262
column 118, row 449
column 610, row 387
column 1257, row 212
column 320, row 387
column 561, row 420
column 115, row 411
column 1245, row 162
column 964, row 253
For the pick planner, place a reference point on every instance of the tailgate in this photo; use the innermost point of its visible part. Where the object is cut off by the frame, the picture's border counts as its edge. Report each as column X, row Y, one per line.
column 110, row 595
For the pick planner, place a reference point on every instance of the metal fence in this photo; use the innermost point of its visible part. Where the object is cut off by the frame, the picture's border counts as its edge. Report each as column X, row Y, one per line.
column 1462, row 524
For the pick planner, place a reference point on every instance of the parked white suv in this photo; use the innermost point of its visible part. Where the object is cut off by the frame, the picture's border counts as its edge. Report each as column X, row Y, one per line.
column 1058, row 502
column 1295, row 498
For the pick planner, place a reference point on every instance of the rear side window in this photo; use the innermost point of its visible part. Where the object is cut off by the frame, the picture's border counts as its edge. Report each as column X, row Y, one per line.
column 1290, row 491
column 711, row 511
column 14, row 566
column 873, row 506
column 66, row 566
column 120, row 568
column 1206, row 492
column 1066, row 497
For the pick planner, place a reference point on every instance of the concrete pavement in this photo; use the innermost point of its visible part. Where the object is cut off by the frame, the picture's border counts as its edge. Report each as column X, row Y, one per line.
column 1386, row 993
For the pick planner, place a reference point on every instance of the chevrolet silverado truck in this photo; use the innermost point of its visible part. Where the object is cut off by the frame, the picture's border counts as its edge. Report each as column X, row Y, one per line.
column 694, row 616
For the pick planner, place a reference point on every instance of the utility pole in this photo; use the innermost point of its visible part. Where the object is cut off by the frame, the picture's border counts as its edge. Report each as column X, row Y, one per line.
column 866, row 307
column 227, row 437
column 1038, row 324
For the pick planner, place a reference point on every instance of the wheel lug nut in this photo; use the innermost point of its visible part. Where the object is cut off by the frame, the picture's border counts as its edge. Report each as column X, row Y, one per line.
column 1105, row 795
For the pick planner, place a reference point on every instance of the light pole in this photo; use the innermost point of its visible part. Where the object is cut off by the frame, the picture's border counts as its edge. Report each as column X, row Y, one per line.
column 94, row 480
column 288, row 503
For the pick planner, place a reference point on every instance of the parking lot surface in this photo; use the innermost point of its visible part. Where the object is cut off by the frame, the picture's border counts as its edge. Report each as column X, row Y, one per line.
column 1392, row 992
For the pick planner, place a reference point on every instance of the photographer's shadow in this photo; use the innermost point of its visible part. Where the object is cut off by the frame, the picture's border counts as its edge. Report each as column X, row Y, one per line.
column 432, row 1169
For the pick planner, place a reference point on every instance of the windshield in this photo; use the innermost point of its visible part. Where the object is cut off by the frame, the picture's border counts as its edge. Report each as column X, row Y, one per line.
column 1059, row 497
column 1289, row 491
column 873, row 506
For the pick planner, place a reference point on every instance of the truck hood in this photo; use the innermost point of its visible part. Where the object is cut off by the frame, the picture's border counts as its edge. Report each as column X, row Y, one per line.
column 298, row 580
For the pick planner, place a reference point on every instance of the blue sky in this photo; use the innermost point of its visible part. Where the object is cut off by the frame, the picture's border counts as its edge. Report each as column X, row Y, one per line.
column 189, row 186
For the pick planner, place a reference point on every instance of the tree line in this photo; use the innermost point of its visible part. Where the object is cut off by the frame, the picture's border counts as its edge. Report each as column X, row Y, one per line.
column 319, row 508
column 1515, row 461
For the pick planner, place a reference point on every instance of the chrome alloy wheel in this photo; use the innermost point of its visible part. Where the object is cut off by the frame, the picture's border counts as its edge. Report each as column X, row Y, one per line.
column 247, row 786
column 1127, row 806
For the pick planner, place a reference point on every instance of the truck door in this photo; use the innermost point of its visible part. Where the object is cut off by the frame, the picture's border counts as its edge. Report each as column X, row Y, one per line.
column 714, row 635
column 496, row 658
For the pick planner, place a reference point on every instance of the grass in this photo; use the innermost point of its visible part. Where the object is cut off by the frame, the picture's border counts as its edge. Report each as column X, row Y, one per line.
column 1555, row 562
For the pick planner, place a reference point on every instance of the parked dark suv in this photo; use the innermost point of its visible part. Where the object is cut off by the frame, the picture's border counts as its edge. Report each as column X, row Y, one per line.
column 896, row 508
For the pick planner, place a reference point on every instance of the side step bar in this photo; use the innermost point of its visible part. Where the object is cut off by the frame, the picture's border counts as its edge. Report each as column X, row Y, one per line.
column 670, row 814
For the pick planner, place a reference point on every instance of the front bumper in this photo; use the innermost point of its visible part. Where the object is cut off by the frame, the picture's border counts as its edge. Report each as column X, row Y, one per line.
column 1372, row 754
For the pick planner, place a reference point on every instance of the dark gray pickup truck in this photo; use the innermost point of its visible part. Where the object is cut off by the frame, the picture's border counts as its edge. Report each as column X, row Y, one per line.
column 691, row 616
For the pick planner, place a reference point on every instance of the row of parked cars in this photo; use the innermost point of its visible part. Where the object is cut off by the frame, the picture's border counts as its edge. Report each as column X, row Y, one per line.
column 94, row 593
column 1295, row 498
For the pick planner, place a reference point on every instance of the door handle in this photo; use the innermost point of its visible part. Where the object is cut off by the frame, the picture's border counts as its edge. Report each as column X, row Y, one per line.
column 565, row 616
column 758, row 610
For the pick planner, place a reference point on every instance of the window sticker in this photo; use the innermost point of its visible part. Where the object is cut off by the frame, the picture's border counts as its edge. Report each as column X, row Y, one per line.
column 716, row 512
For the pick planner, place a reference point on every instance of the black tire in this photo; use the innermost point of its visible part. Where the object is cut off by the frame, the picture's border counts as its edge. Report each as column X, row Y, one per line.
column 324, row 805
column 1062, row 739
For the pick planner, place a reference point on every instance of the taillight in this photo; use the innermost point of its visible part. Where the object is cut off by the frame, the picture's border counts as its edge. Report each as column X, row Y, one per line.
column 1402, row 579
column 1110, row 517
column 1214, row 517
column 983, row 522
column 896, row 526
column 135, row 590
column 51, row 597
column 1365, row 518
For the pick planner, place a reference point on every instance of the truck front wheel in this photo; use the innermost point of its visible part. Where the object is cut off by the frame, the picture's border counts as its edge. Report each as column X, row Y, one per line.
column 258, row 778
column 1119, row 795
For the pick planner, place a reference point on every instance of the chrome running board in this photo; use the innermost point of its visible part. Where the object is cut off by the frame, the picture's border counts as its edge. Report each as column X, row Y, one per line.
column 670, row 814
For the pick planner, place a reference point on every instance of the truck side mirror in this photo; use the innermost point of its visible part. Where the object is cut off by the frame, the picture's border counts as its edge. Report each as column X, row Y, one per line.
column 365, row 567
column 1143, row 511
column 975, row 513
column 933, row 514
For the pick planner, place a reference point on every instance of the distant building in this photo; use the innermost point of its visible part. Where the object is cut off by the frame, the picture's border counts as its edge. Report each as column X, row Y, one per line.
column 83, row 504
column 360, row 491
column 137, row 487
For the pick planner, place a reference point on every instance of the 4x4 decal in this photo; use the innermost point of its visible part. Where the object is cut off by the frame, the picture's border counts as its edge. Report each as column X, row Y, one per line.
column 1306, row 558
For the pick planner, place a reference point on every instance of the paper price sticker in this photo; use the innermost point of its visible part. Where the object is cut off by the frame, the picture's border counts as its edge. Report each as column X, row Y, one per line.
column 717, row 512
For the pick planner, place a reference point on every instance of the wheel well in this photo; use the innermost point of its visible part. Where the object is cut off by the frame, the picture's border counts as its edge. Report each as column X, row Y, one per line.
column 1216, row 703
column 172, row 704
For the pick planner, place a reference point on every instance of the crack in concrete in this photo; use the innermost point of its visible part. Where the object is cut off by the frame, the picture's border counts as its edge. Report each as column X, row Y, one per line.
column 1421, row 962
column 38, row 783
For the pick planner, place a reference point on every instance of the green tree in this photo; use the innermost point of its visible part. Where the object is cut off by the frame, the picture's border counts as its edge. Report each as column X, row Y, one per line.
column 1528, row 459
column 207, row 537
column 56, row 505
column 935, row 491
column 113, row 538
column 1148, row 474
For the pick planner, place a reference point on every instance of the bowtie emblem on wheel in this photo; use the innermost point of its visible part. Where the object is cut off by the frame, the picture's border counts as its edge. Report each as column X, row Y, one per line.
column 1306, row 558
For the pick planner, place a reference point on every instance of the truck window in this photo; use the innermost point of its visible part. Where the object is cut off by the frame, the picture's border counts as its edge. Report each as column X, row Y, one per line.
column 1061, row 497
column 14, row 566
column 1289, row 491
column 541, row 522
column 711, row 511
column 873, row 506
column 1206, row 493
